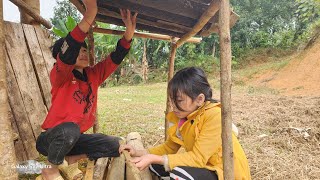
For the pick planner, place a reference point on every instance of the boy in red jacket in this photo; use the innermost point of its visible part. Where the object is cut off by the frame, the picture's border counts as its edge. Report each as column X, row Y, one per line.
column 74, row 98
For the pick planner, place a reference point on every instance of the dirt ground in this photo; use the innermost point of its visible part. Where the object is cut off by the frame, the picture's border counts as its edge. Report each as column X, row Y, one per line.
column 280, row 130
column 280, row 135
column 300, row 77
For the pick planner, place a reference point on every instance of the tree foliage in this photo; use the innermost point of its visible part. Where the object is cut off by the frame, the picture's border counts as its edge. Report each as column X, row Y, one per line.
column 279, row 24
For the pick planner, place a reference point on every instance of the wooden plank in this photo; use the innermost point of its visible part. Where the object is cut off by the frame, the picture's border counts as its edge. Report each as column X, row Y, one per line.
column 89, row 170
column 45, row 42
column 38, row 63
column 6, row 144
column 155, row 23
column 134, row 139
column 184, row 8
column 151, row 29
column 100, row 168
column 147, row 12
column 25, row 76
column 20, row 151
column 24, row 127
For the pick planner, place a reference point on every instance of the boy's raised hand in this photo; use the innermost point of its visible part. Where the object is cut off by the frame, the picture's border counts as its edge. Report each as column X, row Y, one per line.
column 91, row 5
column 130, row 23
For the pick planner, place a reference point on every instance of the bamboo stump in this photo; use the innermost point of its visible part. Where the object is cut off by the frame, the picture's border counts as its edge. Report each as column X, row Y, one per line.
column 134, row 139
column 100, row 169
column 117, row 167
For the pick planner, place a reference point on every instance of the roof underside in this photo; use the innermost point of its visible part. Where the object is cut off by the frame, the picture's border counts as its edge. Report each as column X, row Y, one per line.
column 169, row 17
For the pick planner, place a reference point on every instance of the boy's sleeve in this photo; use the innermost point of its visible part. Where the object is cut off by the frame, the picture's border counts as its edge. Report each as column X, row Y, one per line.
column 67, row 57
column 103, row 69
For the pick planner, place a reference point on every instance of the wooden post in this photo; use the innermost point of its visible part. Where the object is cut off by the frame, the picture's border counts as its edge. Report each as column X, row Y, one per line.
column 225, row 73
column 170, row 75
column 36, row 18
column 25, row 18
column 7, row 152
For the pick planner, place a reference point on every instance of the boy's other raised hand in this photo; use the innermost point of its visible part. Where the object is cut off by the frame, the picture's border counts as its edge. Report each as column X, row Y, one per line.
column 130, row 23
column 89, row 15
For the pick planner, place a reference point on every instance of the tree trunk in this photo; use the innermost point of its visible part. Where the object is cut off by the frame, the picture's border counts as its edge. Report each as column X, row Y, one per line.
column 144, row 62
column 7, row 152
column 24, row 17
column 214, row 49
column 225, row 58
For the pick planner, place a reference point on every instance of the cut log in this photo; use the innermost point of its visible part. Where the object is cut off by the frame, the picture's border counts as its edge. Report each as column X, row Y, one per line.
column 134, row 139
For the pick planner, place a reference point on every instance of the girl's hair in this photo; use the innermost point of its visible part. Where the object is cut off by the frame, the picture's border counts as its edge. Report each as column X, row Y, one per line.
column 191, row 81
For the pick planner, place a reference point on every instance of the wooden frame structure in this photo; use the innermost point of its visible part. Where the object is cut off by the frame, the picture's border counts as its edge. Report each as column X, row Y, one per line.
column 209, row 22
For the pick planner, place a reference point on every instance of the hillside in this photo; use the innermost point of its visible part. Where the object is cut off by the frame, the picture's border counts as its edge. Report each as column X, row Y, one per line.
column 299, row 77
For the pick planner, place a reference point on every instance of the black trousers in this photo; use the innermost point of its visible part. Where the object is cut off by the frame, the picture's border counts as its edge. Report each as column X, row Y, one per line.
column 66, row 140
column 184, row 172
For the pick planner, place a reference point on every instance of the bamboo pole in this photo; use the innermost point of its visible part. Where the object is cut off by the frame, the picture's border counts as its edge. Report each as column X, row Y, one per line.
column 32, row 13
column 145, row 35
column 170, row 75
column 7, row 152
column 205, row 17
column 225, row 73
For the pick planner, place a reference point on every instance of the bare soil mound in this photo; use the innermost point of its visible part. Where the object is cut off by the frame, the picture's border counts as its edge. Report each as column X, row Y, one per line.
column 300, row 77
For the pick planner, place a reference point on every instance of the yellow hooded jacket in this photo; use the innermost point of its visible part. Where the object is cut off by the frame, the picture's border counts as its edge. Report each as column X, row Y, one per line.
column 201, row 138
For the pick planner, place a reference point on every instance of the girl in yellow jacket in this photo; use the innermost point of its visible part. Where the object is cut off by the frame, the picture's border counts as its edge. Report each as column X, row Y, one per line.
column 195, row 125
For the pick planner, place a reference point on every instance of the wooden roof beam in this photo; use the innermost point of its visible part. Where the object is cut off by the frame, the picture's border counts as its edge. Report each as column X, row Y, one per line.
column 214, row 28
column 32, row 13
column 206, row 16
column 145, row 35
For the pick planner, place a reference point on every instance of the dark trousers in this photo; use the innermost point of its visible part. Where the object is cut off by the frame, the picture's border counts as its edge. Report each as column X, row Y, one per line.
column 66, row 140
column 184, row 172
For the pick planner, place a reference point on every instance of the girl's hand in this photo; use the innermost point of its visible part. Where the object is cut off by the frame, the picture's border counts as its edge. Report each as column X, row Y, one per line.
column 130, row 23
column 143, row 162
column 129, row 148
column 146, row 160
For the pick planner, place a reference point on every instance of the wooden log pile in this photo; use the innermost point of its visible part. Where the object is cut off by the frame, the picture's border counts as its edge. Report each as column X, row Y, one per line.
column 119, row 168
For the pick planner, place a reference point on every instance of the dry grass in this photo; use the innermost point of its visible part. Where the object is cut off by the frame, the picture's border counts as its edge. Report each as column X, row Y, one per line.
column 283, row 153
